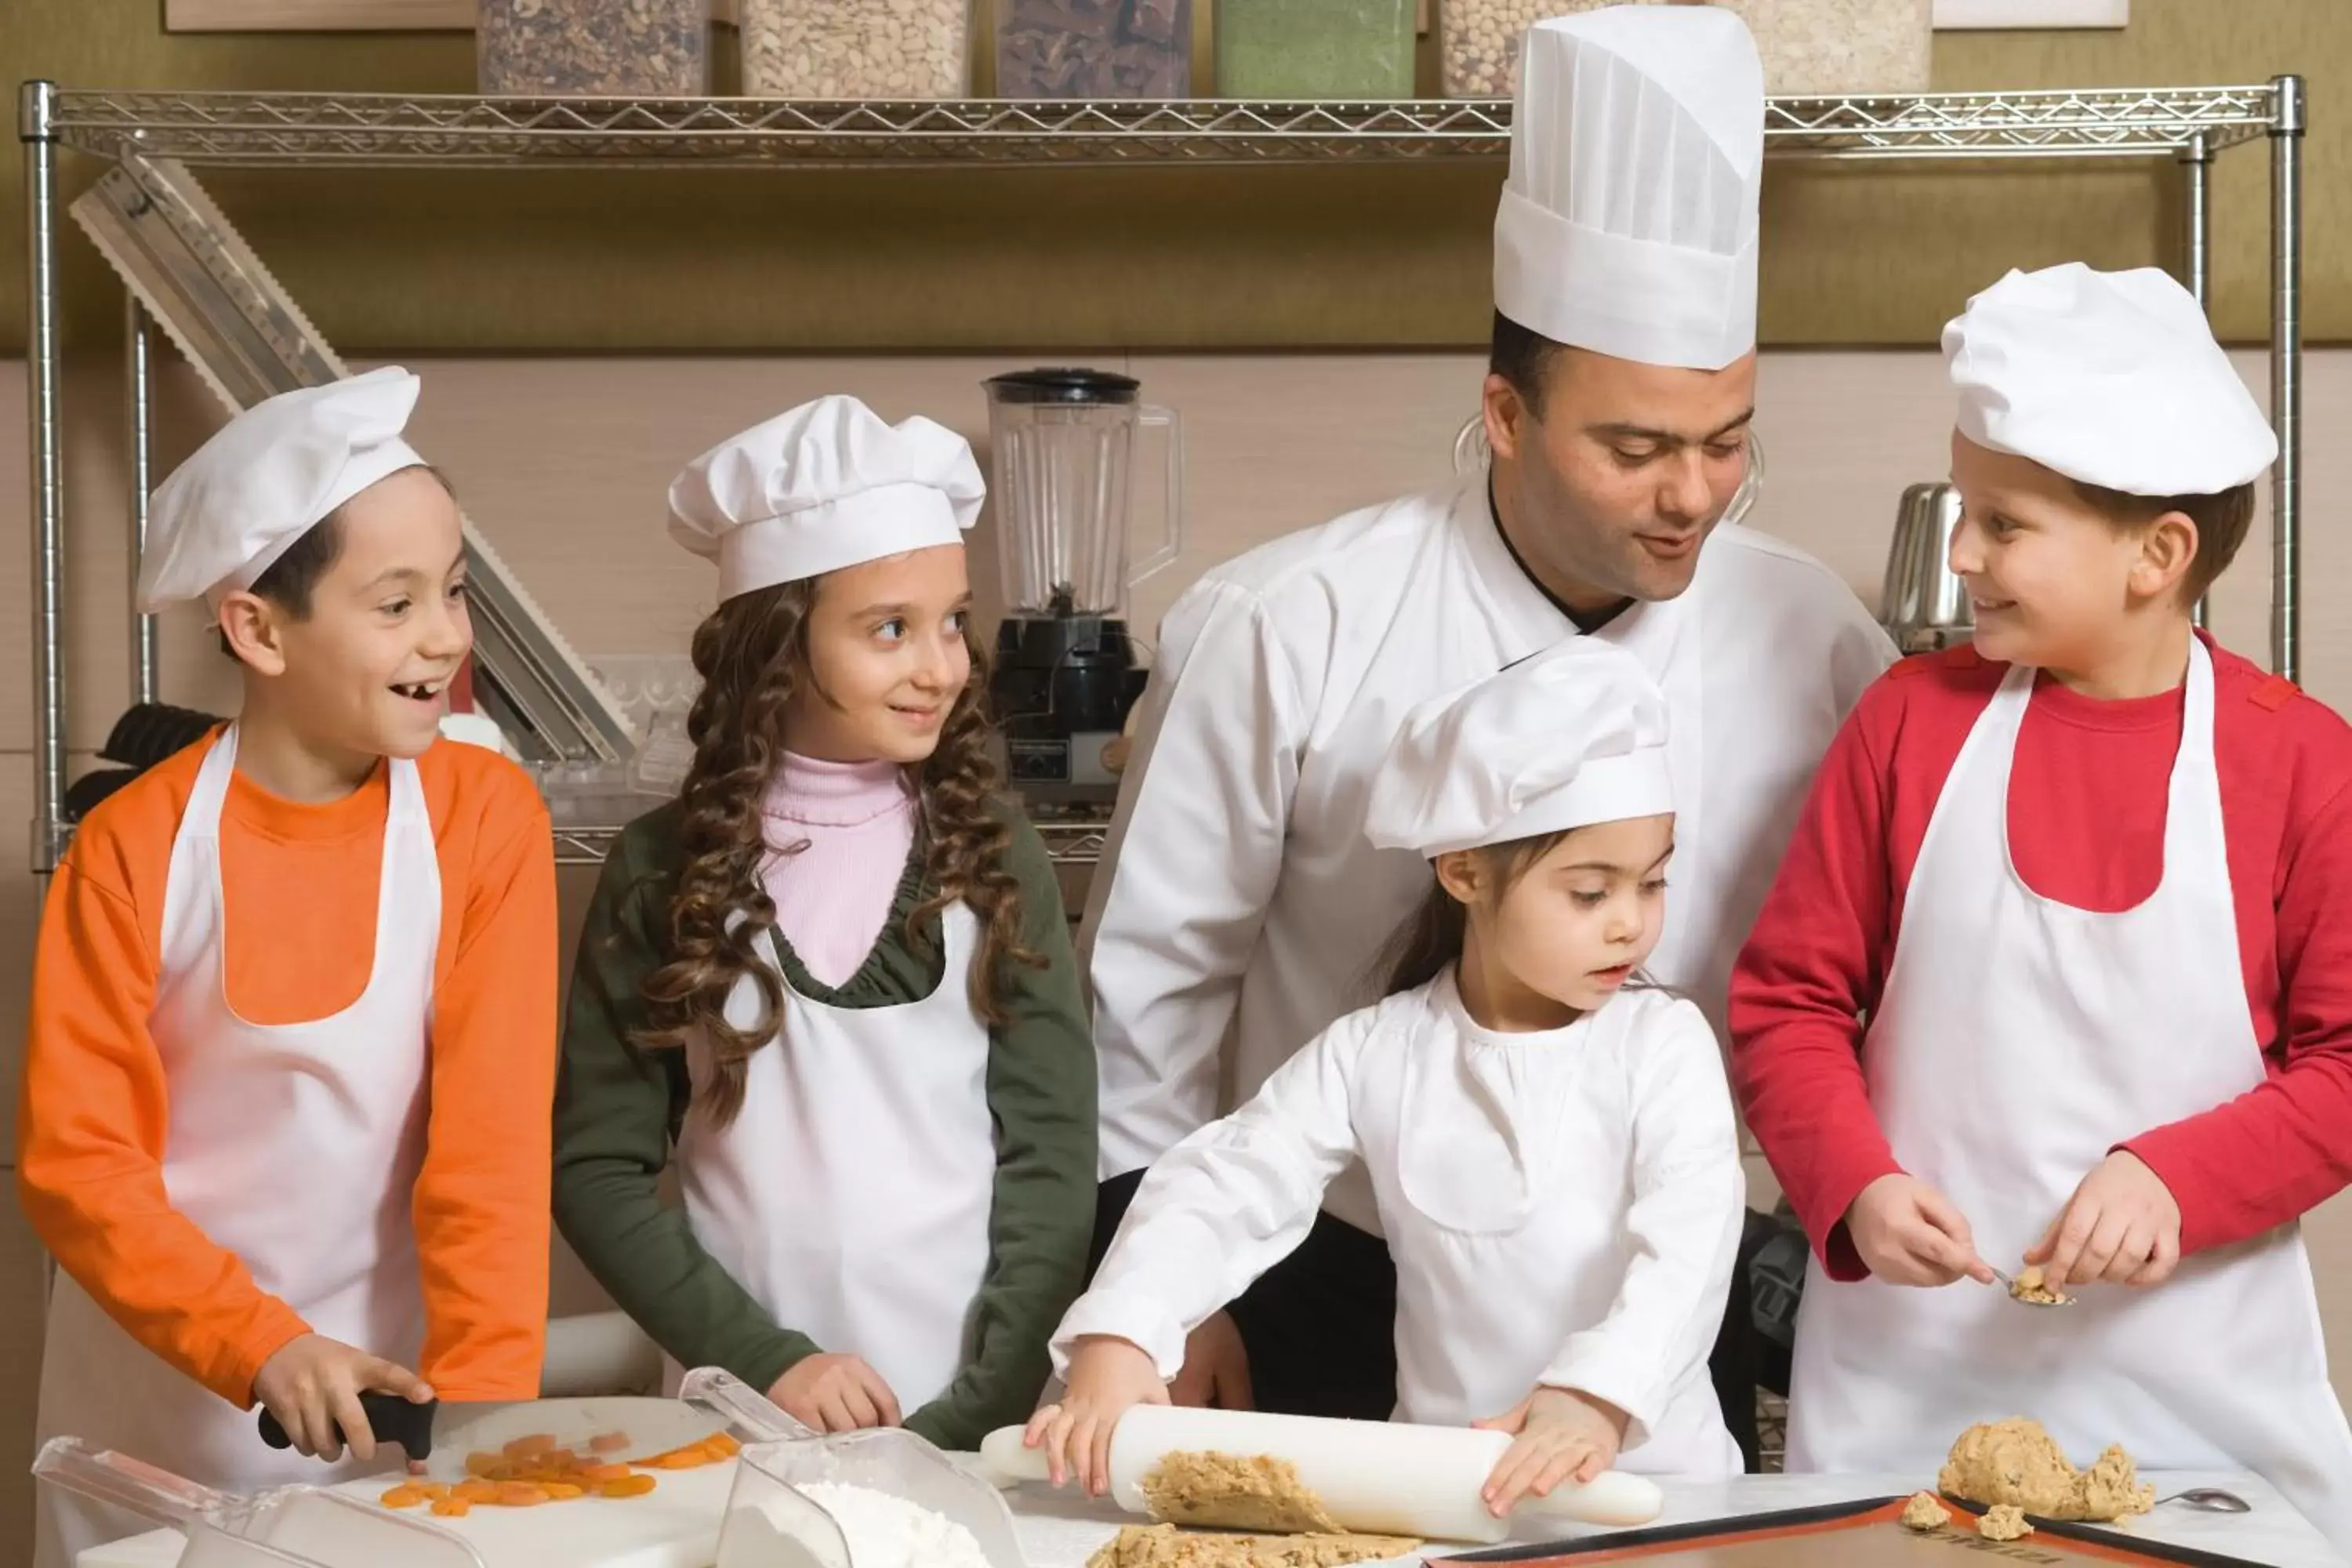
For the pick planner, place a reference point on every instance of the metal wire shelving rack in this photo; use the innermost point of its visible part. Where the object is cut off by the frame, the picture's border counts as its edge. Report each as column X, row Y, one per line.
column 2189, row 126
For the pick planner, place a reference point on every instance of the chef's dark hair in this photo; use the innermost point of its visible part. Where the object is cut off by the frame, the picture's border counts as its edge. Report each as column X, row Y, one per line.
column 291, row 579
column 752, row 653
column 1522, row 358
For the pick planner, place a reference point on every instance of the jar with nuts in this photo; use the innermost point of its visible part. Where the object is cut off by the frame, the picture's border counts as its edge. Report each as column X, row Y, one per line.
column 635, row 48
column 1810, row 48
column 893, row 49
column 1093, row 48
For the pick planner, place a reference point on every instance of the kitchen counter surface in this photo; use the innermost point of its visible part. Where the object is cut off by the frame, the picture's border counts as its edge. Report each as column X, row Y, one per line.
column 1059, row 1532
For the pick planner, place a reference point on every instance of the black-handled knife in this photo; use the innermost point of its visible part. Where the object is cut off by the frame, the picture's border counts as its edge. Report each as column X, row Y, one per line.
column 392, row 1418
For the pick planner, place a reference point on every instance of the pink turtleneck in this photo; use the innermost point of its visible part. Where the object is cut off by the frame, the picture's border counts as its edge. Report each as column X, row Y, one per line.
column 858, row 820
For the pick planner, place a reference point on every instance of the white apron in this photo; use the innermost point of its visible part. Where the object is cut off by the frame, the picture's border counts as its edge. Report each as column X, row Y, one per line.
column 2017, row 1041
column 851, row 1195
column 1502, row 1173
column 295, row 1146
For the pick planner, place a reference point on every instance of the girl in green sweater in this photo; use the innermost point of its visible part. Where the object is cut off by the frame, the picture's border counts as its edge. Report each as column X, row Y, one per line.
column 832, row 984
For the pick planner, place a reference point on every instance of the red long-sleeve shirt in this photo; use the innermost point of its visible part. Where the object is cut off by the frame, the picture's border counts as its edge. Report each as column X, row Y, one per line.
column 2085, row 815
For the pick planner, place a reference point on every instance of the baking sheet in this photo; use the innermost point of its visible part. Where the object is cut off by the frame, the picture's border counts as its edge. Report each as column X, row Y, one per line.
column 1848, row 1535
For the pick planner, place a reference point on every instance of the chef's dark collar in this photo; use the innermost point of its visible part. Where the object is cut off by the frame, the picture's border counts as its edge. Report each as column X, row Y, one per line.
column 1586, row 621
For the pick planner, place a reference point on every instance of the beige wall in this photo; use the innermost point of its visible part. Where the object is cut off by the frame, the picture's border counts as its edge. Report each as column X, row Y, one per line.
column 563, row 463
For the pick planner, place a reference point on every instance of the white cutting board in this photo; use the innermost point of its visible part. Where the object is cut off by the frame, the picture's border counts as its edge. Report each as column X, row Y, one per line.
column 675, row 1525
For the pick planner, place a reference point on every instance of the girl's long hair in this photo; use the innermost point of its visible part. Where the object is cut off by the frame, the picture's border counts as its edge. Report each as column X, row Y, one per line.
column 752, row 653
column 1431, row 941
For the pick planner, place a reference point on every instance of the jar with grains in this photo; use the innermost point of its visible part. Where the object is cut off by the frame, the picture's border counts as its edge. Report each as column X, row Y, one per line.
column 638, row 48
column 1093, row 48
column 857, row 48
column 1314, row 48
column 1812, row 49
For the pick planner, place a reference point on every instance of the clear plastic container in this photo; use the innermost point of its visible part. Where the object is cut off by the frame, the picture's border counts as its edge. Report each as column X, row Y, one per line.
column 857, row 48
column 1810, row 48
column 1093, row 48
column 771, row 1522
column 1314, row 48
column 634, row 49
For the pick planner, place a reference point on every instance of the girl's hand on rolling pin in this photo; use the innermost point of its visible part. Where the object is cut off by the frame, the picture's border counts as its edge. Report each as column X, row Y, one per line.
column 1109, row 1376
column 1561, row 1436
column 836, row 1394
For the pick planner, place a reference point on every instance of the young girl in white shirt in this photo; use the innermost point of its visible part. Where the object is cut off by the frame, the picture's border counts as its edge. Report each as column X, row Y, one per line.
column 1553, row 1152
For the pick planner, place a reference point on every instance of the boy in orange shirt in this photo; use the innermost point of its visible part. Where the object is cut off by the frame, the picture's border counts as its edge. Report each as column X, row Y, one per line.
column 289, row 1069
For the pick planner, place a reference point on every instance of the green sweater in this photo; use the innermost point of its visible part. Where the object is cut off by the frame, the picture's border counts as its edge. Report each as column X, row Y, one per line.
column 619, row 1108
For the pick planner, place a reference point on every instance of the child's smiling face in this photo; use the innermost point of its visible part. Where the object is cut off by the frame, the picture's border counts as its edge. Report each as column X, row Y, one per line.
column 363, row 669
column 886, row 656
column 2053, row 581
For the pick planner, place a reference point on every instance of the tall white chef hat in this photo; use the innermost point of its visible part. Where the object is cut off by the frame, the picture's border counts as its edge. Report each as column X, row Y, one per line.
column 825, row 486
column 1573, row 736
column 2112, row 378
column 269, row 477
column 1628, row 222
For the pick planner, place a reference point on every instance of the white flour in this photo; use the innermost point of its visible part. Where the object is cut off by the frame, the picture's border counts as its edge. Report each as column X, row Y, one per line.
column 882, row 1532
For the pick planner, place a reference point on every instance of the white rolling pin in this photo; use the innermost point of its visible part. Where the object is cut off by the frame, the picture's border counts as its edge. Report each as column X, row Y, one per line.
column 1378, row 1478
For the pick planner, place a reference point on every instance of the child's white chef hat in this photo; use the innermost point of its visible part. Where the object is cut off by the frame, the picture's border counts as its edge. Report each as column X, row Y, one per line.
column 269, row 477
column 2112, row 378
column 1573, row 736
column 825, row 486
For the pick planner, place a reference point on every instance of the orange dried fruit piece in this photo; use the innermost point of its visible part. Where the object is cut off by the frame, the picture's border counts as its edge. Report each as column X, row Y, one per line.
column 434, row 1490
column 402, row 1497
column 536, row 1443
column 475, row 1492
column 627, row 1486
column 514, row 1494
column 481, row 1464
column 598, row 1474
column 562, row 1491
column 452, row 1506
column 723, row 1445
column 608, row 1442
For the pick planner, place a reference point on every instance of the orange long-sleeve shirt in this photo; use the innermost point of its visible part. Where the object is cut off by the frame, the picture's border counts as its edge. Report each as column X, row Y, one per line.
column 299, row 888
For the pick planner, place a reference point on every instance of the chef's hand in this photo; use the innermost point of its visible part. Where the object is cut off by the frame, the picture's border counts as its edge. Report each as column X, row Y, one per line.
column 1108, row 1377
column 833, row 1393
column 1561, row 1436
column 1909, row 1234
column 313, row 1384
column 1216, row 1373
column 2122, row 1227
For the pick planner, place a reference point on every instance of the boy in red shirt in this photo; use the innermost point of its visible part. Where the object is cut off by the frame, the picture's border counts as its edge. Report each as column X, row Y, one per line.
column 2048, row 976
column 286, row 1110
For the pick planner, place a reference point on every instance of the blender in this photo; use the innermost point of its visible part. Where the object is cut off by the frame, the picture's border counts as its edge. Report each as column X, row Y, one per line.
column 1061, row 444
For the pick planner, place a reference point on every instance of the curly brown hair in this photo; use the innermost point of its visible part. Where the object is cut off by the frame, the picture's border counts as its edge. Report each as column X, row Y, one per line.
column 752, row 653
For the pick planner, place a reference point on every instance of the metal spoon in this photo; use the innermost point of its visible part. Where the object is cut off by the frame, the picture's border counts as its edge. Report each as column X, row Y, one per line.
column 2209, row 1500
column 2011, row 1285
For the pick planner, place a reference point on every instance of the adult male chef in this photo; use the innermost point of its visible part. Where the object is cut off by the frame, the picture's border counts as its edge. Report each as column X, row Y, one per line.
column 1238, row 892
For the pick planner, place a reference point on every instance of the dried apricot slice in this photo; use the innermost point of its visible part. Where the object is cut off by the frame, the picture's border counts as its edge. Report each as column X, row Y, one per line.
column 514, row 1494
column 562, row 1491
column 608, row 1442
column 598, row 1474
column 475, row 1492
column 481, row 1464
column 627, row 1486
column 530, row 1447
column 402, row 1497
column 723, row 1444
column 452, row 1506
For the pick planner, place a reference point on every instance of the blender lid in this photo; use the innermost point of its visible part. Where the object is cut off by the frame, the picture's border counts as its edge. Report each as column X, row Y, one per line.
column 1063, row 384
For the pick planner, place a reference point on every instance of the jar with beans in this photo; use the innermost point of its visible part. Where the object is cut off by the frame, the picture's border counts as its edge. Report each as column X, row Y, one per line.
column 891, row 49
